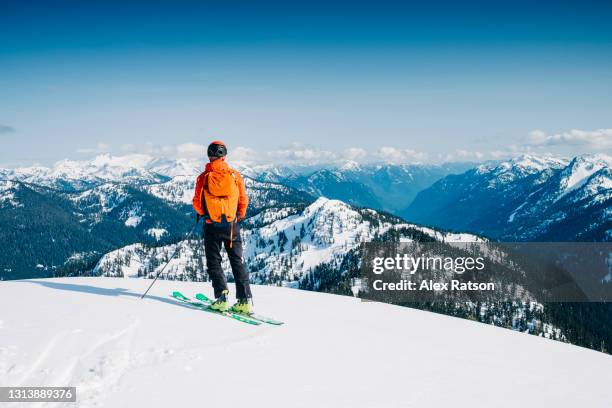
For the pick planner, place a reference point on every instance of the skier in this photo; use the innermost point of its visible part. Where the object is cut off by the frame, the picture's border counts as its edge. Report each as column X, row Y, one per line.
column 220, row 197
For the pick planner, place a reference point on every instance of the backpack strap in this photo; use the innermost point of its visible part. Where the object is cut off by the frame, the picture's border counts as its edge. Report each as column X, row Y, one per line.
column 235, row 177
column 203, row 197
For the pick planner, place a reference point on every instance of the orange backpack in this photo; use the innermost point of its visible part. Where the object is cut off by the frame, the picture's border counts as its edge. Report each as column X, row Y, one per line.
column 220, row 195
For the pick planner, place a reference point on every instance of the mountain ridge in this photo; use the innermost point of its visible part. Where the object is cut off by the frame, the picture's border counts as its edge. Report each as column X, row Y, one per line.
column 551, row 201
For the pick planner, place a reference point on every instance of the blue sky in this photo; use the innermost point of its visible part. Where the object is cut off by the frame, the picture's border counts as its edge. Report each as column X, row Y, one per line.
column 380, row 80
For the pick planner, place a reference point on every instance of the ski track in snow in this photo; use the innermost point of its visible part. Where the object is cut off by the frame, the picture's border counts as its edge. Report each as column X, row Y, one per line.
column 71, row 358
column 120, row 351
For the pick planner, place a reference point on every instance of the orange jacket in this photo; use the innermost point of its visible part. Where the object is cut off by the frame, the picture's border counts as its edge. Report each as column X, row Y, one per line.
column 219, row 165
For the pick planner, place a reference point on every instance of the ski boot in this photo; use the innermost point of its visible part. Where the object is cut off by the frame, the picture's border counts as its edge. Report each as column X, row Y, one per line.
column 221, row 304
column 242, row 307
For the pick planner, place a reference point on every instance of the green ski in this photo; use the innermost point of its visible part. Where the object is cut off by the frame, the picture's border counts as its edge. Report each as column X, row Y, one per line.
column 206, row 300
column 206, row 307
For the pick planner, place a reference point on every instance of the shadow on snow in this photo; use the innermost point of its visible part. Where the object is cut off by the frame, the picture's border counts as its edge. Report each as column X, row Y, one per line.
column 94, row 290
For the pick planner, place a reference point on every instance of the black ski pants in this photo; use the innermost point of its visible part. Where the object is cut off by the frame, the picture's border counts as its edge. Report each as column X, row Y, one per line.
column 221, row 235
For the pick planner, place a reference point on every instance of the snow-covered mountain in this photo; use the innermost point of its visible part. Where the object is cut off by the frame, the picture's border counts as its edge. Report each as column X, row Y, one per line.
column 281, row 244
column 139, row 198
column 120, row 351
column 39, row 232
column 101, row 218
column 47, row 232
column 70, row 175
column 101, row 205
column 172, row 180
column 590, row 174
column 174, row 167
column 388, row 187
column 180, row 189
column 7, row 194
column 525, row 199
column 127, row 205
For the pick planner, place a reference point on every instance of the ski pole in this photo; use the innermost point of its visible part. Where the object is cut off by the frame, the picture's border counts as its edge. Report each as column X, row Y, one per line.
column 171, row 258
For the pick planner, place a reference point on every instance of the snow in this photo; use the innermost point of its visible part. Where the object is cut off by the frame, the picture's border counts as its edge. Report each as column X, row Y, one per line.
column 511, row 217
column 520, row 207
column 177, row 167
column 526, row 163
column 157, row 233
column 132, row 265
column 180, row 190
column 84, row 174
column 332, row 227
column 133, row 221
column 577, row 174
column 517, row 168
column 537, row 163
column 7, row 193
column 177, row 190
column 120, row 351
column 6, row 185
column 107, row 197
column 350, row 165
column 442, row 236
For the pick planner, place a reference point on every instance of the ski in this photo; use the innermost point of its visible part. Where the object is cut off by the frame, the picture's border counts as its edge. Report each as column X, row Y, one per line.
column 206, row 300
column 206, row 307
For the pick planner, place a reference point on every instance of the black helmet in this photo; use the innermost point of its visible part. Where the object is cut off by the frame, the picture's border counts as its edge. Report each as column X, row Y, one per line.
column 217, row 149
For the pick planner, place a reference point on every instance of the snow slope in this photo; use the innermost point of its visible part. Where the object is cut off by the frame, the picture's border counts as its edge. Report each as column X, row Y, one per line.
column 120, row 351
column 7, row 193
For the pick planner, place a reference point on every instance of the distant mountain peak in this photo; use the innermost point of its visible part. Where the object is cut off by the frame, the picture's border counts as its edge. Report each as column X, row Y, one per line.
column 520, row 166
column 350, row 165
column 325, row 204
column 537, row 163
column 581, row 169
column 597, row 159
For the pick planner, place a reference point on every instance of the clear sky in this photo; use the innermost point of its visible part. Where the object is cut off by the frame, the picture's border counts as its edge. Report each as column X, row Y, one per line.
column 411, row 82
